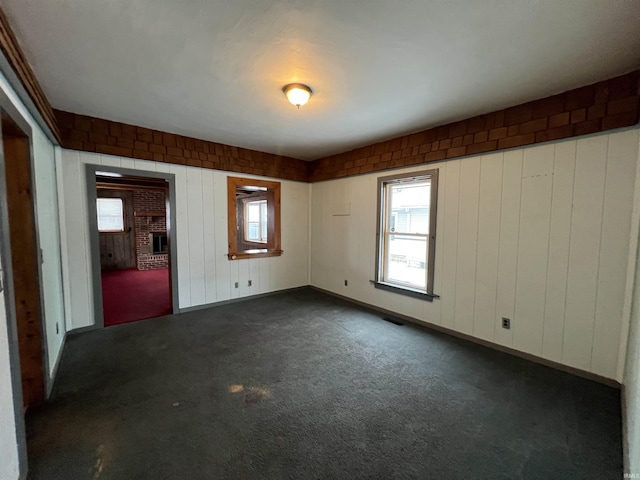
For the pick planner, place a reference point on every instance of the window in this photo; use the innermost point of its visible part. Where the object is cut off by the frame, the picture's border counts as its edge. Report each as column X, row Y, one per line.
column 255, row 221
column 254, row 218
column 406, row 232
column 110, row 215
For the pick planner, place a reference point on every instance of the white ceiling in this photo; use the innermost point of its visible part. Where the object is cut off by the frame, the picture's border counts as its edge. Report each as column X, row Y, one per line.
column 214, row 69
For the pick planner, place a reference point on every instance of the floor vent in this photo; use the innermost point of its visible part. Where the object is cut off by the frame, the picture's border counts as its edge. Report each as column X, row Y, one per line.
column 395, row 321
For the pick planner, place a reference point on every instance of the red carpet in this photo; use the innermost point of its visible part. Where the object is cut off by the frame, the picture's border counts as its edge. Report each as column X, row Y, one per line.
column 130, row 295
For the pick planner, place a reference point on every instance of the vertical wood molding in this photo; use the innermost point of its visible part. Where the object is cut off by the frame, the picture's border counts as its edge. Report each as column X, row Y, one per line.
column 25, row 258
column 16, row 58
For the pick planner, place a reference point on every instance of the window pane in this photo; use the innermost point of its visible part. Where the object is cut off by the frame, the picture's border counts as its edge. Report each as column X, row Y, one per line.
column 253, row 212
column 410, row 207
column 406, row 260
column 110, row 215
column 256, row 221
column 253, row 232
column 263, row 220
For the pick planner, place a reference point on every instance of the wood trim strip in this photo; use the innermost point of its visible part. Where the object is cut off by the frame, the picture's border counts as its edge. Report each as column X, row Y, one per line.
column 25, row 266
column 16, row 58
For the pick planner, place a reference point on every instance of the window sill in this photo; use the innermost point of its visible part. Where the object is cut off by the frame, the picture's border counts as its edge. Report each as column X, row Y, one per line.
column 257, row 253
column 409, row 292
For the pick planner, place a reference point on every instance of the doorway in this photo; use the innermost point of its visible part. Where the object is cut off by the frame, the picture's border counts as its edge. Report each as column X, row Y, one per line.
column 133, row 244
column 25, row 260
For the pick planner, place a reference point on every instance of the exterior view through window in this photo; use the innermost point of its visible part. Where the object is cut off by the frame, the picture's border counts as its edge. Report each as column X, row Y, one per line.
column 256, row 221
column 110, row 215
column 406, row 239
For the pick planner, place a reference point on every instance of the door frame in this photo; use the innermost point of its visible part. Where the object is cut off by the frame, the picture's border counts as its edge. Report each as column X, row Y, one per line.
column 7, row 105
column 94, row 239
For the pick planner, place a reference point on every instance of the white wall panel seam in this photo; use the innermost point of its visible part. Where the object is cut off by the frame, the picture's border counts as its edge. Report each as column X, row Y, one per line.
column 64, row 255
column 566, row 280
column 517, row 230
column 455, row 275
column 544, row 301
column 496, row 314
column 442, row 205
column 475, row 261
column 595, row 306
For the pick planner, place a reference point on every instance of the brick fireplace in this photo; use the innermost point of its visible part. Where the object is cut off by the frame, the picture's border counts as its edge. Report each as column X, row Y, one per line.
column 151, row 229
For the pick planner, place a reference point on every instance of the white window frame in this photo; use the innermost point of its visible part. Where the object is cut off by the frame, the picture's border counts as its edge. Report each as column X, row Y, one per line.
column 109, row 199
column 262, row 201
column 383, row 232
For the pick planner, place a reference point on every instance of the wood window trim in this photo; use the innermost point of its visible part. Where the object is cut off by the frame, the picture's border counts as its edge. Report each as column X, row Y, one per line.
column 273, row 212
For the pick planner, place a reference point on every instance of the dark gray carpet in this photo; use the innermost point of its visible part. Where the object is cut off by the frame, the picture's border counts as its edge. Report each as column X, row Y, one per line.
column 303, row 385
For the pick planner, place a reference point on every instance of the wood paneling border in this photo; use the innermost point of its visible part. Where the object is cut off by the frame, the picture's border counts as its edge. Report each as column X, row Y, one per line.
column 89, row 134
column 605, row 105
column 14, row 55
column 595, row 108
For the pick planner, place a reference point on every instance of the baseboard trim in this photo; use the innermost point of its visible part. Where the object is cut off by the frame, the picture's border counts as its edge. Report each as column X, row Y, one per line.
column 626, row 461
column 239, row 299
column 86, row 328
column 527, row 356
column 56, row 366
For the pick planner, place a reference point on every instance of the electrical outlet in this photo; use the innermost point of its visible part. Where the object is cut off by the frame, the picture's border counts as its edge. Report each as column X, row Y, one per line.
column 237, row 284
column 506, row 323
column 346, row 283
column 249, row 282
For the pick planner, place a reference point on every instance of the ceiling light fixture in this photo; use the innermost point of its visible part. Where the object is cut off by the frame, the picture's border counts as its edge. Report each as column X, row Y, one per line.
column 297, row 93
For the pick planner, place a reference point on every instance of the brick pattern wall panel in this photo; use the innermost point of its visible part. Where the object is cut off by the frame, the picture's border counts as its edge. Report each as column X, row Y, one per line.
column 149, row 201
column 599, row 107
column 595, row 108
column 80, row 132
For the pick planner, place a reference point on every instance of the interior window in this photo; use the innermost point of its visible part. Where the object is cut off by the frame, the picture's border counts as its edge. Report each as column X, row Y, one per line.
column 254, row 218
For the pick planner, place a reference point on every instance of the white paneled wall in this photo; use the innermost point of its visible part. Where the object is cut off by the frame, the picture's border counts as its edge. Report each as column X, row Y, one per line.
column 49, row 237
column 205, row 275
column 539, row 235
